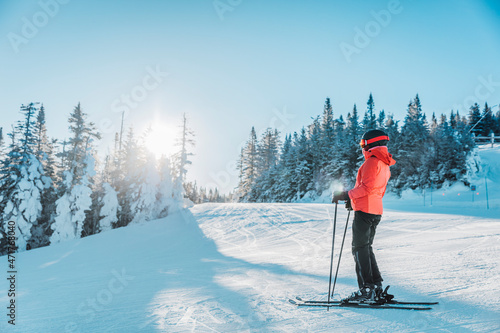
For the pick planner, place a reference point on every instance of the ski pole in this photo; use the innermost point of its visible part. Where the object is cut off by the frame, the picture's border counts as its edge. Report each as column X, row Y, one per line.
column 340, row 254
column 331, row 258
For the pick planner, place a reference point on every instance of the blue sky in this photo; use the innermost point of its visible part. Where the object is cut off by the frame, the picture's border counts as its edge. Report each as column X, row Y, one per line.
column 242, row 64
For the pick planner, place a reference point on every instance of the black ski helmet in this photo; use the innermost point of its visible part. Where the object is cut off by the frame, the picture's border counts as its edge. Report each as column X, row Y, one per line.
column 374, row 138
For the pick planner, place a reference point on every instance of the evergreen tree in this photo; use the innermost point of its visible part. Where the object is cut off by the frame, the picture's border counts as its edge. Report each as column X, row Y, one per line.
column 453, row 120
column 80, row 143
column 92, row 223
column 267, row 160
column 128, row 185
column 488, row 124
column 191, row 190
column 95, row 188
column 75, row 193
column 115, row 163
column 203, row 195
column 22, row 181
column 475, row 122
column 416, row 137
column 463, row 148
column 431, row 152
column 321, row 149
column 145, row 193
column 44, row 152
column 250, row 164
column 182, row 158
column 239, row 168
column 446, row 151
column 268, row 150
column 352, row 158
column 381, row 119
column 304, row 165
column 370, row 119
column 284, row 188
column 326, row 136
column 165, row 196
column 395, row 144
column 40, row 133
column 433, row 124
column 109, row 209
column 496, row 123
column 336, row 170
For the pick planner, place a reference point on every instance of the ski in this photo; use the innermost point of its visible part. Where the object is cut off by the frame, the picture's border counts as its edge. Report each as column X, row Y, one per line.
column 411, row 303
column 359, row 305
column 389, row 302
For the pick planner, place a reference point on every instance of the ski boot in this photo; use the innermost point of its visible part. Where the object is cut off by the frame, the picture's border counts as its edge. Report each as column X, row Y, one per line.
column 363, row 295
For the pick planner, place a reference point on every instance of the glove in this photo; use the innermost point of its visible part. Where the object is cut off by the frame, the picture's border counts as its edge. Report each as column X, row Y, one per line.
column 348, row 204
column 340, row 196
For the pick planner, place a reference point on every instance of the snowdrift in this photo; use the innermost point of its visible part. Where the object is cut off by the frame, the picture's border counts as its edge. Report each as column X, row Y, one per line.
column 116, row 281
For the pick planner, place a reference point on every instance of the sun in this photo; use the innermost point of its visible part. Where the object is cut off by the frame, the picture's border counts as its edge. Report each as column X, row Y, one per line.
column 161, row 139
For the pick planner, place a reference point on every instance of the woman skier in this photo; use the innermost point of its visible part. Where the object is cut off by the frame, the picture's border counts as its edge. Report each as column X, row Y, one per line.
column 366, row 201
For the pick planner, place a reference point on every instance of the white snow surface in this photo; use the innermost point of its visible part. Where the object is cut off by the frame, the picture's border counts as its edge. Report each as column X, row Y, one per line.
column 233, row 267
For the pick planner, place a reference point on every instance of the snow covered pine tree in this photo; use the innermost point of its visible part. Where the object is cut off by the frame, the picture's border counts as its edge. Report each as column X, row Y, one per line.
column 22, row 181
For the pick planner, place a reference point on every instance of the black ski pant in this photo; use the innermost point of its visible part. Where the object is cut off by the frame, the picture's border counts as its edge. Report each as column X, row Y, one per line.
column 363, row 232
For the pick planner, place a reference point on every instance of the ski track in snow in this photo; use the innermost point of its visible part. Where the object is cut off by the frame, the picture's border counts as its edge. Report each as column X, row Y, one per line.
column 233, row 267
column 447, row 258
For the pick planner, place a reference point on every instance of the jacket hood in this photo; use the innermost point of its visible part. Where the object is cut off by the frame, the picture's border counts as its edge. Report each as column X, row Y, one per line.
column 381, row 153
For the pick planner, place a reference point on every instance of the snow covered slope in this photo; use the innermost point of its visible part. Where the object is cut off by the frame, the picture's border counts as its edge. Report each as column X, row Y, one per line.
column 232, row 267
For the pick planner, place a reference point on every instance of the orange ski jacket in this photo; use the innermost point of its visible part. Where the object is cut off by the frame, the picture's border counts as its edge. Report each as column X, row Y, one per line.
column 371, row 181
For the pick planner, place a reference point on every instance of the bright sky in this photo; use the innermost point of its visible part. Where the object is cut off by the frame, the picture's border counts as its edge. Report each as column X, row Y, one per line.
column 233, row 64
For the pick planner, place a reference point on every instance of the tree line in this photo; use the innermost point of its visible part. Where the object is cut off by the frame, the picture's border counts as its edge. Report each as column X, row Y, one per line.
column 429, row 152
column 59, row 190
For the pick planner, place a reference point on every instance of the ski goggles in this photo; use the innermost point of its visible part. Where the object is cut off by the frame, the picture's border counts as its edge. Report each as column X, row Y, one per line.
column 365, row 142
